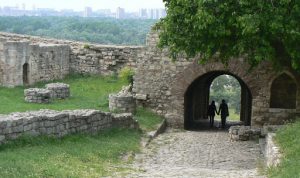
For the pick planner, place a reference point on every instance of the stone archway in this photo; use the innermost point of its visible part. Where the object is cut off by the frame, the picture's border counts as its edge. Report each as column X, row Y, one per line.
column 196, row 99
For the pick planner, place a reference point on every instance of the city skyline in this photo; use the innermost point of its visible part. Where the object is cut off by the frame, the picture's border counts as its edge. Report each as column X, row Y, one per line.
column 79, row 5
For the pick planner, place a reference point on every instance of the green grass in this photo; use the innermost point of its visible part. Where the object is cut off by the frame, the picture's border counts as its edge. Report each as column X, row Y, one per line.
column 232, row 116
column 288, row 139
column 72, row 156
column 87, row 92
column 79, row 155
column 148, row 120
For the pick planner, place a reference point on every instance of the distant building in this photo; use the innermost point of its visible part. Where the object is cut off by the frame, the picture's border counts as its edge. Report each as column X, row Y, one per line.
column 143, row 14
column 156, row 13
column 23, row 6
column 87, row 12
column 120, row 14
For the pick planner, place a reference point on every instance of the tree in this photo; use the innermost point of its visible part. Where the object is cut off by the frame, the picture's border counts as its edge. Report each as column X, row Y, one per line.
column 254, row 29
column 228, row 88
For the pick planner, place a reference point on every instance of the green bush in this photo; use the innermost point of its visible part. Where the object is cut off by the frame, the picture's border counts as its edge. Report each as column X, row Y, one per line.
column 126, row 74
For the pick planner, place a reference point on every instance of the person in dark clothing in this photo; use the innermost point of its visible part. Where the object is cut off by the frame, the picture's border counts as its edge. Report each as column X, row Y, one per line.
column 223, row 110
column 211, row 113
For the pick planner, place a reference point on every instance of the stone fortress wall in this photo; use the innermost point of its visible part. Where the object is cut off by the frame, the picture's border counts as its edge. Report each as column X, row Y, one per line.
column 43, row 59
column 167, row 85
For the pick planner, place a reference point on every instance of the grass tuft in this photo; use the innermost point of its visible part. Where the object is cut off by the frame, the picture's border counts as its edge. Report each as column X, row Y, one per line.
column 148, row 120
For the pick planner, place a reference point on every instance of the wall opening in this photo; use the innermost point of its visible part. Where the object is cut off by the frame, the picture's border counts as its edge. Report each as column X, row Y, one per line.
column 25, row 74
column 199, row 95
column 228, row 88
column 283, row 92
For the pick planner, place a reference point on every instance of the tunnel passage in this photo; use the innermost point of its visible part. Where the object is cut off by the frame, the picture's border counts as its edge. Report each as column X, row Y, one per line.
column 196, row 100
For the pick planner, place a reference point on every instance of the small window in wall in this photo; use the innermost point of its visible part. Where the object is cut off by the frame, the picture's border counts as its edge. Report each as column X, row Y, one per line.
column 25, row 74
column 283, row 92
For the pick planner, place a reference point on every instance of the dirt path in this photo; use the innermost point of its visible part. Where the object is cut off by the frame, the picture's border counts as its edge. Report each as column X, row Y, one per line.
column 197, row 154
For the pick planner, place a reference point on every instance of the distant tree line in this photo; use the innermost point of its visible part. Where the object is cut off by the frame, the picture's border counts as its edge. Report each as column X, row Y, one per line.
column 95, row 30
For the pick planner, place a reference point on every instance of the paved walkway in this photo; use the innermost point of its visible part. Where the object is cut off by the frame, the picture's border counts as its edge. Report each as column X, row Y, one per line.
column 197, row 154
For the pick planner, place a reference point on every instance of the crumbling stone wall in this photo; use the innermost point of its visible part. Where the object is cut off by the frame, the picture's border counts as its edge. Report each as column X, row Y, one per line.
column 43, row 62
column 60, row 123
column 84, row 58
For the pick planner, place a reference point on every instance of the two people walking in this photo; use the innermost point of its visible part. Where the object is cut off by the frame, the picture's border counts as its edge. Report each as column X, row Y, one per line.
column 223, row 110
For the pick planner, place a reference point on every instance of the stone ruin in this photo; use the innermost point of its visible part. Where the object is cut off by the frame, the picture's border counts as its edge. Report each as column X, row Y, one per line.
column 244, row 133
column 59, row 90
column 122, row 101
column 60, row 123
column 52, row 91
column 37, row 95
column 178, row 90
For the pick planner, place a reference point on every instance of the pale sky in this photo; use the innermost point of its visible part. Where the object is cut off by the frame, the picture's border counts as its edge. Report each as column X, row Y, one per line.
column 129, row 5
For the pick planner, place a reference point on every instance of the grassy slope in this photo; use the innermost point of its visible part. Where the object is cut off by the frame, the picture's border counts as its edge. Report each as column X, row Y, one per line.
column 289, row 141
column 77, row 155
column 86, row 92
column 72, row 156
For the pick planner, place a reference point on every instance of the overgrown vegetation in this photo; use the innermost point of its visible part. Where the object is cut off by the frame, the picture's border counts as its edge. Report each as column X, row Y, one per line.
column 87, row 92
column 95, row 30
column 72, row 156
column 126, row 74
column 289, row 142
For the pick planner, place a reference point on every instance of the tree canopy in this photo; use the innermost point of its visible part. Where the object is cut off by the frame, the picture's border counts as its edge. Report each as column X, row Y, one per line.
column 254, row 29
column 95, row 30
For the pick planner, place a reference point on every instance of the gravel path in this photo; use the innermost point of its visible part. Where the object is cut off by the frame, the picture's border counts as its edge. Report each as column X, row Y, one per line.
column 197, row 154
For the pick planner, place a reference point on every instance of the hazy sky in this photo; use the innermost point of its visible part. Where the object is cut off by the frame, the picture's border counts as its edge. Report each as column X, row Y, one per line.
column 129, row 5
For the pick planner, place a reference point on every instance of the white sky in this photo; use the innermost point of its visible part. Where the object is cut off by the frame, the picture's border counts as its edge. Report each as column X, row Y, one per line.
column 129, row 5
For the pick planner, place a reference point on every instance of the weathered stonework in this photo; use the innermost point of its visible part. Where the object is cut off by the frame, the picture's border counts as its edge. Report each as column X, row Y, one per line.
column 23, row 63
column 244, row 133
column 37, row 95
column 176, row 90
column 167, row 83
column 58, row 58
column 123, row 101
column 58, row 90
column 60, row 123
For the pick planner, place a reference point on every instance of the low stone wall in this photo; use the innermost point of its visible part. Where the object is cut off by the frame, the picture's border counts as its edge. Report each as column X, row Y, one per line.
column 37, row 95
column 244, row 133
column 58, row 90
column 60, row 123
column 272, row 153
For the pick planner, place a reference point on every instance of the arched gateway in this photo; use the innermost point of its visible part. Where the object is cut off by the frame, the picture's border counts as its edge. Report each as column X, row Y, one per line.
column 196, row 99
column 179, row 90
